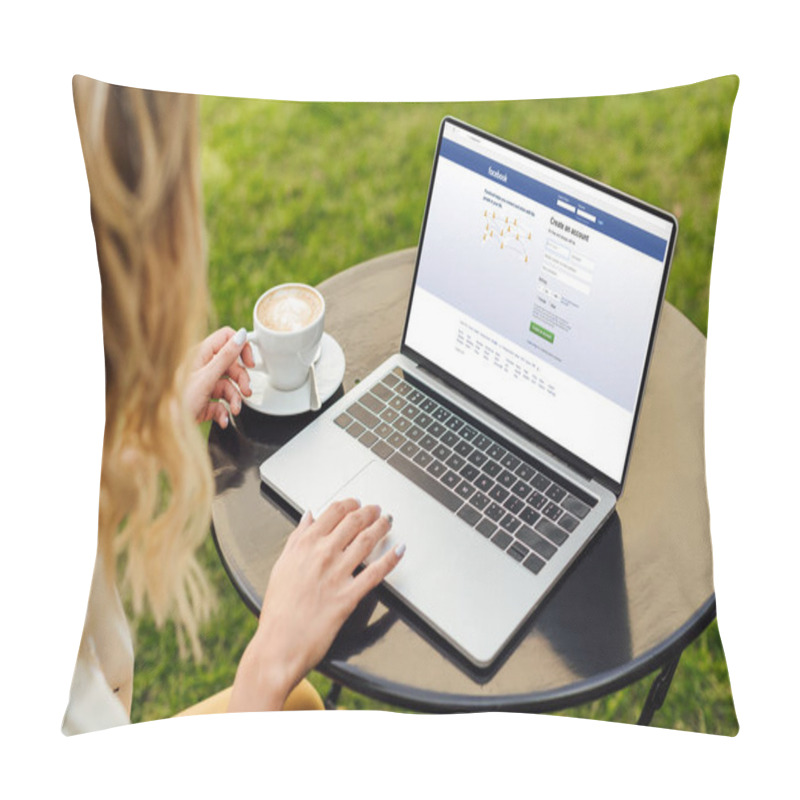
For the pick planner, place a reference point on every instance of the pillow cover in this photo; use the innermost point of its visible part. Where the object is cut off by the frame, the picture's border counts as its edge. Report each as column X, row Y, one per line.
column 300, row 192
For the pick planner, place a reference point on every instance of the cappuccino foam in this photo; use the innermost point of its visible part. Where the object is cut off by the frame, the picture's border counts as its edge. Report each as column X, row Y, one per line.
column 289, row 309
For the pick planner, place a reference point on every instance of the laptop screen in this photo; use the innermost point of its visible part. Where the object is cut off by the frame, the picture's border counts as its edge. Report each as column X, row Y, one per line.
column 539, row 290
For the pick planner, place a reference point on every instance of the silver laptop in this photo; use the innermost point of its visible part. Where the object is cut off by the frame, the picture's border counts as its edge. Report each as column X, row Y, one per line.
column 499, row 437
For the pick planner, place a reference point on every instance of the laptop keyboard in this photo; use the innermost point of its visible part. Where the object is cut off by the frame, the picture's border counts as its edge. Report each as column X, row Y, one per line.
column 517, row 503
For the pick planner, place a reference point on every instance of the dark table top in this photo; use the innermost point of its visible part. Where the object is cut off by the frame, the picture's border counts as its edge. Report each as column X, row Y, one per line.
column 639, row 593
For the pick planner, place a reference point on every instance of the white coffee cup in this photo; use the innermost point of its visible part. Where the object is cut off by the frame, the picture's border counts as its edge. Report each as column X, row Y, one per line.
column 288, row 323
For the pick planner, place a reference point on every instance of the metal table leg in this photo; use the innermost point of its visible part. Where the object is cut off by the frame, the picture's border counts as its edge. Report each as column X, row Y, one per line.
column 658, row 691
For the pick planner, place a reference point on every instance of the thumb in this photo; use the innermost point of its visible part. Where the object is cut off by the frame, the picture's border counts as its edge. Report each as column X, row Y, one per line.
column 226, row 355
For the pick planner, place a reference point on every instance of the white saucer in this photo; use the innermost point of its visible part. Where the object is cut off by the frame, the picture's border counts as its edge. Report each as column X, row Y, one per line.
column 329, row 370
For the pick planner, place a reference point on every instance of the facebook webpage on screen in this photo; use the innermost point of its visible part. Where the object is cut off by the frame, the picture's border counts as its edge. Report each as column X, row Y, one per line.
column 539, row 292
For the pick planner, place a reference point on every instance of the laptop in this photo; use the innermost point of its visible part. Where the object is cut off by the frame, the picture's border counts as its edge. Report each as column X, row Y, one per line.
column 499, row 436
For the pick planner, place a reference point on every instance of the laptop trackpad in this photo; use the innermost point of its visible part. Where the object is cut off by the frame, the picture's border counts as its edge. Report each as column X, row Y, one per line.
column 453, row 577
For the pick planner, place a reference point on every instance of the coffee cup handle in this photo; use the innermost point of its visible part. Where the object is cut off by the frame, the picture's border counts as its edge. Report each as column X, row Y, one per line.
column 257, row 357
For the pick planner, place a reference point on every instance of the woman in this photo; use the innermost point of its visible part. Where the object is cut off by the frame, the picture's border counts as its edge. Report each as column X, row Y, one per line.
column 141, row 155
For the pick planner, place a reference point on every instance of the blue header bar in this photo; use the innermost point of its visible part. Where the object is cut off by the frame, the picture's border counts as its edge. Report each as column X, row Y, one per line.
column 554, row 199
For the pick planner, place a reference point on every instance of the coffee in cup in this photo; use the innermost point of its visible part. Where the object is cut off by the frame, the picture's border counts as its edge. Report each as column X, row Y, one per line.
column 288, row 323
column 289, row 308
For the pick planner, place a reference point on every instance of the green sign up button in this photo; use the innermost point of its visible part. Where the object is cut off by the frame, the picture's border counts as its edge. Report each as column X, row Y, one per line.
column 543, row 332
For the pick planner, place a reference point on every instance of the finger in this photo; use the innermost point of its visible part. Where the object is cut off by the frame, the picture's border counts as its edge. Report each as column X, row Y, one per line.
column 334, row 514
column 372, row 575
column 226, row 355
column 352, row 525
column 247, row 355
column 238, row 374
column 364, row 543
column 225, row 390
column 218, row 413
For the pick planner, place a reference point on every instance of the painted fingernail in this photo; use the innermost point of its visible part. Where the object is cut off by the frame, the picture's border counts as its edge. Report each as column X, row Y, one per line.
column 399, row 550
column 390, row 518
column 240, row 336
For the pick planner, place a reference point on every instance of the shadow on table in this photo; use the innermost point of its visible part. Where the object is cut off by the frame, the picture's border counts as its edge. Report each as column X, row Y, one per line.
column 585, row 618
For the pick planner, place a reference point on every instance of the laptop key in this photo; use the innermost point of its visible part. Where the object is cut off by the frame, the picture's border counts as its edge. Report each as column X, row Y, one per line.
column 343, row 420
column 414, row 433
column 389, row 415
column 436, row 429
column 416, row 397
column 397, row 402
column 356, row 429
column 496, row 452
column 538, row 544
column 477, row 458
column 575, row 506
column 510, row 461
column 533, row 563
column 410, row 411
column 368, row 439
column 455, row 462
column 525, row 472
column 540, row 482
column 468, row 433
column 428, row 442
column 484, row 483
column 425, row 482
column 454, row 423
column 449, row 439
column 384, row 429
column 479, row 500
column 436, row 468
column 555, row 492
column 422, row 420
column 506, row 478
column 402, row 388
column 486, row 527
column 422, row 458
column 441, row 452
column 469, row 514
column 373, row 403
column 510, row 523
column 529, row 516
column 498, row 493
column 451, row 479
column 409, row 449
column 492, row 468
column 469, row 472
column 396, row 440
column 502, row 539
column 481, row 441
column 494, row 512
column 441, row 414
column 513, row 504
column 552, row 532
column 465, row 490
column 521, row 489
column 517, row 551
column 401, row 424
column 363, row 415
column 391, row 379
column 552, row 511
column 538, row 501
column 463, row 448
column 382, row 449
column 428, row 405
column 568, row 522
column 382, row 391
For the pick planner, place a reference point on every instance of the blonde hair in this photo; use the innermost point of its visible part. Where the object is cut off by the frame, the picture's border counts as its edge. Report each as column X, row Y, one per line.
column 141, row 154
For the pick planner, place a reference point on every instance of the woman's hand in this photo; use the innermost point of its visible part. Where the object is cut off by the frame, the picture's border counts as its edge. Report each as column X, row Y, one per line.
column 217, row 374
column 311, row 593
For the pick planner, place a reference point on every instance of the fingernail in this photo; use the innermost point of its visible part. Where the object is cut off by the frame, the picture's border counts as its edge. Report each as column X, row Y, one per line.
column 224, row 420
column 390, row 518
column 399, row 550
column 307, row 516
column 240, row 336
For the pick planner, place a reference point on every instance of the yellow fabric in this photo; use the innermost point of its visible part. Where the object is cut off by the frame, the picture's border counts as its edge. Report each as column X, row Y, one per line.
column 304, row 697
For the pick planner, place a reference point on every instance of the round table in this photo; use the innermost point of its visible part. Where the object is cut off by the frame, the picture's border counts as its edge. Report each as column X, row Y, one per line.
column 639, row 593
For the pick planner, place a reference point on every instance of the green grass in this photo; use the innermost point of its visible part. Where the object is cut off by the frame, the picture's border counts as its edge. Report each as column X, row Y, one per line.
column 301, row 191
